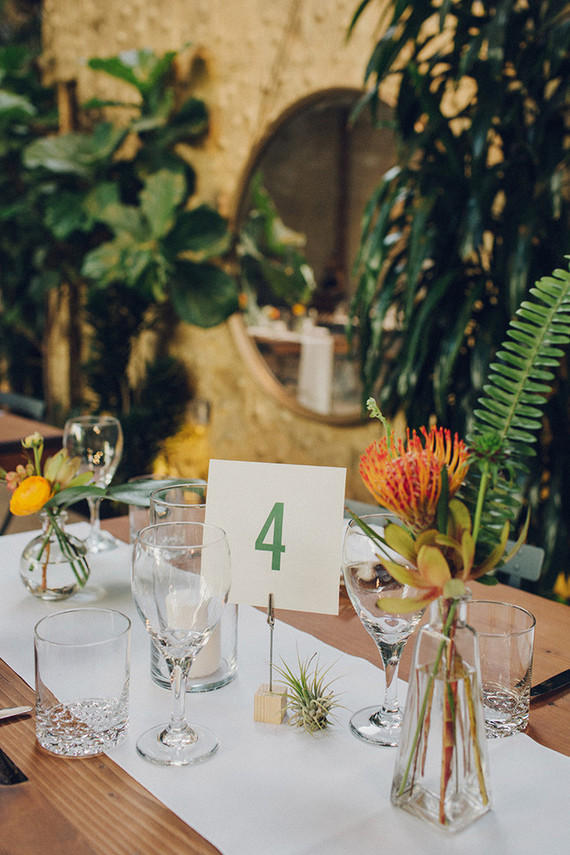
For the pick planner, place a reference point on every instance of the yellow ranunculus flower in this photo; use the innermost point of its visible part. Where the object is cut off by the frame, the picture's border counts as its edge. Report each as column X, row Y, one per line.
column 30, row 496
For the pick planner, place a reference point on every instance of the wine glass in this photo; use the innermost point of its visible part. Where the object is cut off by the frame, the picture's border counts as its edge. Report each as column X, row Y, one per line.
column 216, row 664
column 98, row 442
column 180, row 583
column 367, row 581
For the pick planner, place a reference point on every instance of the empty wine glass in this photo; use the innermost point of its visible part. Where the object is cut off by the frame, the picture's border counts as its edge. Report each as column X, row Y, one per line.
column 98, row 442
column 367, row 582
column 180, row 583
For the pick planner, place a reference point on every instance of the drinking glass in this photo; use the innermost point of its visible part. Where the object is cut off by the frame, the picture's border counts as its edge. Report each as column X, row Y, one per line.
column 184, row 501
column 98, row 442
column 180, row 583
column 506, row 645
column 82, row 663
column 367, row 581
column 216, row 664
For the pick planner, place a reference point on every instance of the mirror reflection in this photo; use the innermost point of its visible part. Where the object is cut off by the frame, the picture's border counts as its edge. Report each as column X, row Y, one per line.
column 299, row 229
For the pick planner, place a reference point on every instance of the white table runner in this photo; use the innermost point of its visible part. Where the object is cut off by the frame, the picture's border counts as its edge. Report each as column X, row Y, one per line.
column 274, row 789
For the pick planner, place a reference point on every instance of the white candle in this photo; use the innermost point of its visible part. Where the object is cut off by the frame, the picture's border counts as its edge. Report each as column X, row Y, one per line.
column 183, row 612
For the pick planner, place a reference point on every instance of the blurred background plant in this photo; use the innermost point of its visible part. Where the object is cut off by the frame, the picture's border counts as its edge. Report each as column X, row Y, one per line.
column 475, row 211
column 104, row 214
column 27, row 112
column 273, row 267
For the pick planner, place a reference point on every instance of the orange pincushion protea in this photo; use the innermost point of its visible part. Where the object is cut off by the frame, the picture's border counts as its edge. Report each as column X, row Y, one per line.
column 405, row 478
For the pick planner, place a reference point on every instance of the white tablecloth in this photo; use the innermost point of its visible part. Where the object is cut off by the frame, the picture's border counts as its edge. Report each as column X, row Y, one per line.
column 275, row 789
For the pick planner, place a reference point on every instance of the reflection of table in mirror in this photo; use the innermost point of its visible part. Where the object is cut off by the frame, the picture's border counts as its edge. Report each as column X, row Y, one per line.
column 314, row 366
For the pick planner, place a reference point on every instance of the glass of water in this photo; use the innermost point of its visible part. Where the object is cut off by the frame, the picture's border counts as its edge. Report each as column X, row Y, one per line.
column 506, row 644
column 82, row 681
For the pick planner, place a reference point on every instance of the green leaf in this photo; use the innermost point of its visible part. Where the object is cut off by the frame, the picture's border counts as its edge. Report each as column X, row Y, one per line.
column 65, row 214
column 191, row 120
column 487, row 579
column 71, row 495
column 503, row 404
column 123, row 259
column 14, row 107
column 202, row 294
column 75, row 154
column 143, row 69
column 103, row 205
column 201, row 231
column 103, row 195
column 138, row 492
column 161, row 195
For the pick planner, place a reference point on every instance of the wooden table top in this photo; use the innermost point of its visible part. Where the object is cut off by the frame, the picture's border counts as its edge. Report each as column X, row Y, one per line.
column 93, row 806
column 14, row 428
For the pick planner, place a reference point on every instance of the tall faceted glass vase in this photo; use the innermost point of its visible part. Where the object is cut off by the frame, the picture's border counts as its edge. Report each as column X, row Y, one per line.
column 441, row 772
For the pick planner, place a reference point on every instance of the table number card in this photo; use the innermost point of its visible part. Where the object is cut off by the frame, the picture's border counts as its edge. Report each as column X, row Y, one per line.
column 285, row 526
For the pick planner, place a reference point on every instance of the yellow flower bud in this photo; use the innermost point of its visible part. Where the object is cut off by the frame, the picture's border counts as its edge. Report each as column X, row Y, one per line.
column 30, row 496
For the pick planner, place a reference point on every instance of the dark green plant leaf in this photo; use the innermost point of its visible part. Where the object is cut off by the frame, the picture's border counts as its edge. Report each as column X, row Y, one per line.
column 138, row 492
column 75, row 154
column 161, row 195
column 191, row 119
column 143, row 69
column 65, row 214
column 123, row 259
column 71, row 495
column 14, row 107
column 202, row 294
column 201, row 231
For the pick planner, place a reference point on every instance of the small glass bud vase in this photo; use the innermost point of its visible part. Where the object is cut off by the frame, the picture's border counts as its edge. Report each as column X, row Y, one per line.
column 53, row 565
column 441, row 772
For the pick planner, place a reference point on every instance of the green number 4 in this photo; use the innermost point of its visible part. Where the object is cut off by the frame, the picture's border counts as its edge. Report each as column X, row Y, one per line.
column 276, row 546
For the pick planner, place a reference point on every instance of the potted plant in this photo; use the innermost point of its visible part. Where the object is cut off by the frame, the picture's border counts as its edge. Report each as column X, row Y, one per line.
column 472, row 213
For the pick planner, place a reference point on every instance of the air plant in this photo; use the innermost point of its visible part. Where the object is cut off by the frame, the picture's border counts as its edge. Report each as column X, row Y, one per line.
column 310, row 699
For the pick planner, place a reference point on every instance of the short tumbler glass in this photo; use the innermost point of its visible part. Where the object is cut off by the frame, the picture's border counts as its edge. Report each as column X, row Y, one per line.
column 506, row 644
column 82, row 681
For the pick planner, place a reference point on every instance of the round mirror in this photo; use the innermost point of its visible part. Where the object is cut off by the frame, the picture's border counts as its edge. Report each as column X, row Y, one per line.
column 298, row 223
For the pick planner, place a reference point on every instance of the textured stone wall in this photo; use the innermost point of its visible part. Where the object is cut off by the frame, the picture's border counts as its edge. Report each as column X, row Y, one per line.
column 258, row 58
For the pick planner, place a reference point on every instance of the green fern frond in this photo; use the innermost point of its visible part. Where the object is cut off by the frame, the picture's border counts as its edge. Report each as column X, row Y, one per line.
column 511, row 408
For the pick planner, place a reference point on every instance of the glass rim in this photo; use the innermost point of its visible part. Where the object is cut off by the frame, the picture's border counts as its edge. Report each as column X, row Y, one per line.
column 370, row 520
column 112, row 636
column 504, row 604
column 391, row 514
column 154, row 496
column 142, row 539
column 92, row 419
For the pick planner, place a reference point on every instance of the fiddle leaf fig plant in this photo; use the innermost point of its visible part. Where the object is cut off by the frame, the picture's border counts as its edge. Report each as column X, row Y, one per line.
column 161, row 249
column 118, row 227
column 134, row 214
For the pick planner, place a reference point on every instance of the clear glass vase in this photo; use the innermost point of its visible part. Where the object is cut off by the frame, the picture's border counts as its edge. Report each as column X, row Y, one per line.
column 441, row 772
column 53, row 565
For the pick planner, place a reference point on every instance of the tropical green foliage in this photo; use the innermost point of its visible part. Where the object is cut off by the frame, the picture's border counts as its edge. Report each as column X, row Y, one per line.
column 105, row 212
column 473, row 212
column 509, row 418
column 273, row 267
column 135, row 209
column 27, row 111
